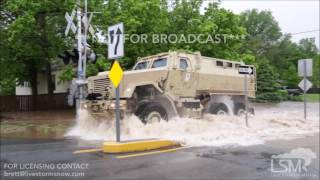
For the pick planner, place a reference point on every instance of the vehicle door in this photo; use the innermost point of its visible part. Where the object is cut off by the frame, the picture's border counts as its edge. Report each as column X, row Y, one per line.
column 185, row 78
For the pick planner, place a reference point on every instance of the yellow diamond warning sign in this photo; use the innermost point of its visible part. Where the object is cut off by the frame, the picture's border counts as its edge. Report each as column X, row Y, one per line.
column 116, row 74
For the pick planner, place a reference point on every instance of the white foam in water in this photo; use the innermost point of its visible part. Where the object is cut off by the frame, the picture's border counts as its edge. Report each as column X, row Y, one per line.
column 275, row 122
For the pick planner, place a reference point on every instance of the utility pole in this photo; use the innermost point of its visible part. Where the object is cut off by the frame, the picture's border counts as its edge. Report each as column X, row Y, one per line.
column 79, row 37
column 80, row 12
column 86, row 25
column 82, row 49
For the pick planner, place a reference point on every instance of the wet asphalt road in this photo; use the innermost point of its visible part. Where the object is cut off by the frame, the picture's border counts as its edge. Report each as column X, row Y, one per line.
column 252, row 162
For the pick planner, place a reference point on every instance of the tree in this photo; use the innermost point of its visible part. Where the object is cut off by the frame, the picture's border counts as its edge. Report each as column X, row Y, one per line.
column 263, row 31
column 140, row 17
column 219, row 21
column 290, row 76
column 34, row 37
column 267, row 86
column 309, row 50
column 283, row 56
column 316, row 71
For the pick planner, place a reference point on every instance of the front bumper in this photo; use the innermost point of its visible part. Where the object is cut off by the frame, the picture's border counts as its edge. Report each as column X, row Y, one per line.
column 103, row 105
column 104, row 109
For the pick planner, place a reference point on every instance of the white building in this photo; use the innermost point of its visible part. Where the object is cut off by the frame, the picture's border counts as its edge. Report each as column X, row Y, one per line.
column 59, row 87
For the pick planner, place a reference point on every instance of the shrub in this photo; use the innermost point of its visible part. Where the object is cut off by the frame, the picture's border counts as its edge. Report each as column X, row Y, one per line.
column 284, row 95
column 295, row 98
column 269, row 97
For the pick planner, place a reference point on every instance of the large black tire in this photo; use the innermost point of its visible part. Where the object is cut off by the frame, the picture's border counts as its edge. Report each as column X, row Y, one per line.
column 239, row 109
column 219, row 109
column 152, row 113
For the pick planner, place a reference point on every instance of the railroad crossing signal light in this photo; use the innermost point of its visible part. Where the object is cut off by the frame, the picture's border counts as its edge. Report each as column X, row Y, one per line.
column 68, row 56
column 116, row 74
column 73, row 55
column 65, row 56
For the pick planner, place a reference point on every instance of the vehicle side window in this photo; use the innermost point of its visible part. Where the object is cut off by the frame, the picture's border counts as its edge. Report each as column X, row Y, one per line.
column 229, row 64
column 183, row 64
column 141, row 65
column 159, row 63
column 219, row 63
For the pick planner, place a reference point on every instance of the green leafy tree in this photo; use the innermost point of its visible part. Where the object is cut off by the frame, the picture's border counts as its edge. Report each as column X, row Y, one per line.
column 267, row 83
column 290, row 75
column 316, row 71
column 222, row 22
column 283, row 56
column 140, row 17
column 309, row 50
column 34, row 37
column 263, row 31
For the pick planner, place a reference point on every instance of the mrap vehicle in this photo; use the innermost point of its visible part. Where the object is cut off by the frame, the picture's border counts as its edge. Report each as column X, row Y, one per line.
column 170, row 84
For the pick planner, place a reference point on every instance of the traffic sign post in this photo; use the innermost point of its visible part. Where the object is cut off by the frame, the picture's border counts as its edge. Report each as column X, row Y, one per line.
column 246, row 98
column 305, row 70
column 246, row 70
column 116, row 50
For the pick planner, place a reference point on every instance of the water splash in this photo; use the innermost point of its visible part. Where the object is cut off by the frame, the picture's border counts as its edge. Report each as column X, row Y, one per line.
column 274, row 122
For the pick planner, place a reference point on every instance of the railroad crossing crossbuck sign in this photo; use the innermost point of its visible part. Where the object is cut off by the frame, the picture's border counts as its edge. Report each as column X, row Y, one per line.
column 115, row 41
column 245, row 70
column 70, row 22
column 86, row 21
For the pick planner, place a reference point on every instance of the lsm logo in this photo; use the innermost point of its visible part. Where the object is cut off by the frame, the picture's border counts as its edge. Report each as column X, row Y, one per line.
column 295, row 163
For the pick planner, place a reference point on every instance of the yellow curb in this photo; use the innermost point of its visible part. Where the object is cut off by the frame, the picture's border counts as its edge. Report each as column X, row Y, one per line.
column 136, row 146
column 86, row 151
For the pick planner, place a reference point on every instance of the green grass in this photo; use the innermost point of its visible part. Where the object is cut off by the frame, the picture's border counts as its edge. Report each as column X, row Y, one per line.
column 310, row 98
column 313, row 97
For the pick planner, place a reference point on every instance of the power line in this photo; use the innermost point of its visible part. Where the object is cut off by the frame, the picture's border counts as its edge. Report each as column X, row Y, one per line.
column 315, row 30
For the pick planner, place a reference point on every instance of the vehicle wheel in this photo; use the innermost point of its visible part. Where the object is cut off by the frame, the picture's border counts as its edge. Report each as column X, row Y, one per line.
column 219, row 109
column 153, row 113
column 239, row 109
column 241, row 112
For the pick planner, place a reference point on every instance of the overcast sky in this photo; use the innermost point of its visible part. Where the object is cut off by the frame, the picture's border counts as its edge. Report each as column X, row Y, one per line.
column 293, row 16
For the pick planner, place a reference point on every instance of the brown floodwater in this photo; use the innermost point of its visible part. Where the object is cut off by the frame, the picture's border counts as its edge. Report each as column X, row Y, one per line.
column 272, row 121
column 36, row 125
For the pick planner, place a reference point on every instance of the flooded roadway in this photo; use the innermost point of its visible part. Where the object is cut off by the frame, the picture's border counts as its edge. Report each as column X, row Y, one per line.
column 35, row 125
column 40, row 138
column 271, row 121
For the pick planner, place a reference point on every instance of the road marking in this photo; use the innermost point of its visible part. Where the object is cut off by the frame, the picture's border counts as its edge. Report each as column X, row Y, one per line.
column 150, row 153
column 86, row 151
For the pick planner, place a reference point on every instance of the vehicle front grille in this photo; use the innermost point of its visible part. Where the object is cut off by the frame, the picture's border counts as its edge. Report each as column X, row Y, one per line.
column 102, row 86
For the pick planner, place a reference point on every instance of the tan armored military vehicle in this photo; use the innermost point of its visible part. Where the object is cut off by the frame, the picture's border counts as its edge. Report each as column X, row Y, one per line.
column 172, row 84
